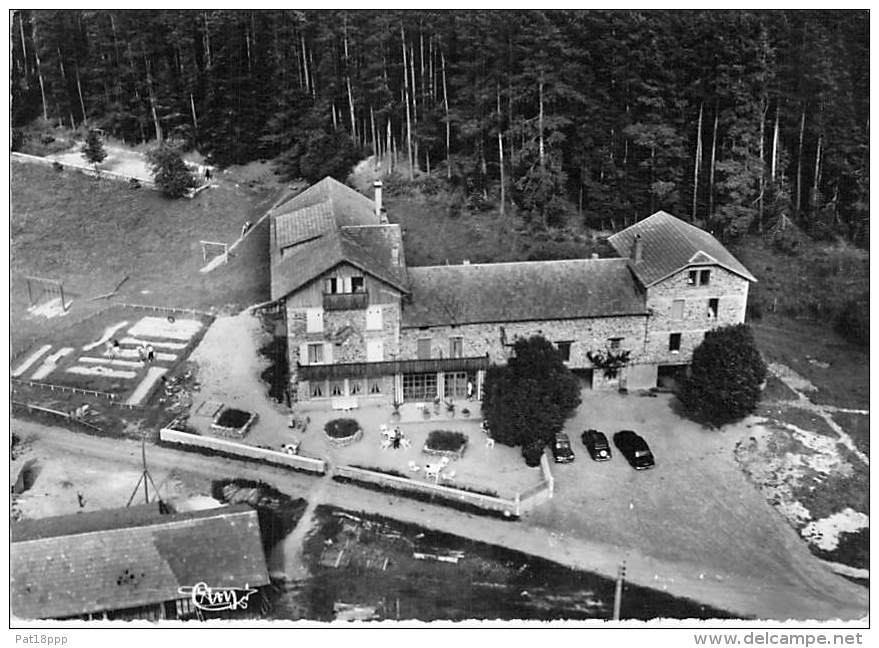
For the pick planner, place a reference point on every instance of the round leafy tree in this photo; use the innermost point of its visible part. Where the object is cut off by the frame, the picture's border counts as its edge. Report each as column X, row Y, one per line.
column 93, row 149
column 526, row 402
column 725, row 376
column 170, row 172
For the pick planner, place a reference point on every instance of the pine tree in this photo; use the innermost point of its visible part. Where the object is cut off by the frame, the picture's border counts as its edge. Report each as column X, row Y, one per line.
column 93, row 150
column 169, row 170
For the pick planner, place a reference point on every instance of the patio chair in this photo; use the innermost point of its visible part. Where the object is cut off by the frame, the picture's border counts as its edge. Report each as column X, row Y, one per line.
column 449, row 475
column 386, row 443
column 414, row 467
column 406, row 443
column 383, row 428
column 431, row 471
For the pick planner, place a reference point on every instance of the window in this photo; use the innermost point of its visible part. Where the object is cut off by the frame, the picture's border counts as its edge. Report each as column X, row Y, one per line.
column 713, row 305
column 355, row 387
column 423, row 349
column 564, row 350
column 357, row 285
column 332, row 286
column 692, row 277
column 420, row 386
column 699, row 277
column 677, row 309
column 375, row 387
column 674, row 342
column 337, row 388
column 374, row 318
column 314, row 320
column 456, row 384
column 316, row 353
column 456, row 347
column 317, row 389
column 615, row 342
column 375, row 350
column 704, row 277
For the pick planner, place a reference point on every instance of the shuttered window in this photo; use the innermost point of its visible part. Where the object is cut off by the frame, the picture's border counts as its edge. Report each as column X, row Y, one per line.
column 374, row 318
column 424, row 348
column 677, row 309
column 314, row 320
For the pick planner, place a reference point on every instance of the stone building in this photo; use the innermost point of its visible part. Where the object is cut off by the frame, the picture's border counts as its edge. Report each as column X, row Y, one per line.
column 362, row 325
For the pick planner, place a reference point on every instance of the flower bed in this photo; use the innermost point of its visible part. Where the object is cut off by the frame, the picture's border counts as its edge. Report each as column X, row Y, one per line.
column 343, row 432
column 445, row 443
column 233, row 423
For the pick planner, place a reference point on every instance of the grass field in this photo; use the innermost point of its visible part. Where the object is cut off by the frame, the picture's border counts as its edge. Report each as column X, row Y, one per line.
column 93, row 233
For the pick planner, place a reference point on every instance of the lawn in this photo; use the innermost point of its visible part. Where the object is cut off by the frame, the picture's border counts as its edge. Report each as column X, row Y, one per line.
column 840, row 370
column 93, row 233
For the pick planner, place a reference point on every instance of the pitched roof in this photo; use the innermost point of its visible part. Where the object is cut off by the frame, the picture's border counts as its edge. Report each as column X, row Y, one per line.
column 112, row 560
column 513, row 292
column 325, row 225
column 670, row 244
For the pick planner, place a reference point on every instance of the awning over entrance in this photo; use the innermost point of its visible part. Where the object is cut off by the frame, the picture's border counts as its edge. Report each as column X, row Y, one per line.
column 389, row 368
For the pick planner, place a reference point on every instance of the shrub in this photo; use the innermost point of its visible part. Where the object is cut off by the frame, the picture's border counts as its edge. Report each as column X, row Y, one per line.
column 446, row 441
column 853, row 321
column 341, row 428
column 725, row 376
column 532, row 452
column 93, row 150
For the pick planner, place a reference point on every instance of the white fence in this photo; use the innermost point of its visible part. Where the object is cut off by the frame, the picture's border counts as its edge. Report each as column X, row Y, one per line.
column 87, row 170
column 242, row 450
column 506, row 506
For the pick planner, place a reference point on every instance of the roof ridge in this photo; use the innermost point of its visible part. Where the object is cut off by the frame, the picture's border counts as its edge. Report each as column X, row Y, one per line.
column 165, row 525
column 532, row 262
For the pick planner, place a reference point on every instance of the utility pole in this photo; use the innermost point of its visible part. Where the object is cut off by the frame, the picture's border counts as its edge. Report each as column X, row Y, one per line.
column 144, row 477
column 618, row 591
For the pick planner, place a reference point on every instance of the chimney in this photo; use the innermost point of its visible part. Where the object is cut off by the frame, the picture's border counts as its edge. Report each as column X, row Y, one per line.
column 395, row 255
column 377, row 185
column 637, row 249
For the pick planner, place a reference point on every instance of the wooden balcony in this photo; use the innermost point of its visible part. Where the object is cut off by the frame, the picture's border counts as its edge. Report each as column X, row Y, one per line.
column 346, row 301
column 389, row 368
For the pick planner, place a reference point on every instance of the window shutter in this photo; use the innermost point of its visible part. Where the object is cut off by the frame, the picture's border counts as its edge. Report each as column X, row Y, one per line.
column 375, row 350
column 328, row 353
column 374, row 318
column 303, row 354
column 314, row 320
column 346, row 283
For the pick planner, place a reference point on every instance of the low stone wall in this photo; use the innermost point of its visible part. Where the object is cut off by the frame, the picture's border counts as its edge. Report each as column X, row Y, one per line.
column 243, row 451
column 505, row 506
column 344, row 441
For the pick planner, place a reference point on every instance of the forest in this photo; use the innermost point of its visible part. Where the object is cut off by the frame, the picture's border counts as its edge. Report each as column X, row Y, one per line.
column 725, row 118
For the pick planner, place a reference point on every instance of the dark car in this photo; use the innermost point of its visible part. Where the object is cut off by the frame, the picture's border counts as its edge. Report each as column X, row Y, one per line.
column 597, row 445
column 634, row 449
column 561, row 449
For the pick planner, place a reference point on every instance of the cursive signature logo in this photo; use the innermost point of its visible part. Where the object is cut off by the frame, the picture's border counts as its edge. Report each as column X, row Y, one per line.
column 213, row 599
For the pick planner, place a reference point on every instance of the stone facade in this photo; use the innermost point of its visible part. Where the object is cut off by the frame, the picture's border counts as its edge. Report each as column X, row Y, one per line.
column 730, row 291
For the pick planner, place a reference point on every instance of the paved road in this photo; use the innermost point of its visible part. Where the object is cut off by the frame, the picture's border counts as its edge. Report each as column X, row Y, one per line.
column 770, row 596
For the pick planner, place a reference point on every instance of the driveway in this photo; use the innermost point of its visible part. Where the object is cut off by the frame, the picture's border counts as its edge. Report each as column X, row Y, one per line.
column 695, row 507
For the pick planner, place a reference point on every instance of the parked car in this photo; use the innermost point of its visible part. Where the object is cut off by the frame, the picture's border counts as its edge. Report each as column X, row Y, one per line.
column 597, row 445
column 561, row 449
column 634, row 449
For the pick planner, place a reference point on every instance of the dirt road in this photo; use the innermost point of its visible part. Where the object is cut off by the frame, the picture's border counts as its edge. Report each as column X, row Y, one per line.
column 771, row 596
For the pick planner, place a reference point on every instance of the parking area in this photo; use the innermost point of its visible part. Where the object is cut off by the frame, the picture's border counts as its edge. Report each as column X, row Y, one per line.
column 695, row 506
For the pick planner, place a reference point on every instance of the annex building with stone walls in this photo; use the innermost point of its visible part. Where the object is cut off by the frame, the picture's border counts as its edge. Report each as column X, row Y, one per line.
column 362, row 325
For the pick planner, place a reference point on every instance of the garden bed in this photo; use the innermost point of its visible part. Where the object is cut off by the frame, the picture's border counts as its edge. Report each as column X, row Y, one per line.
column 343, row 432
column 445, row 443
column 231, row 422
